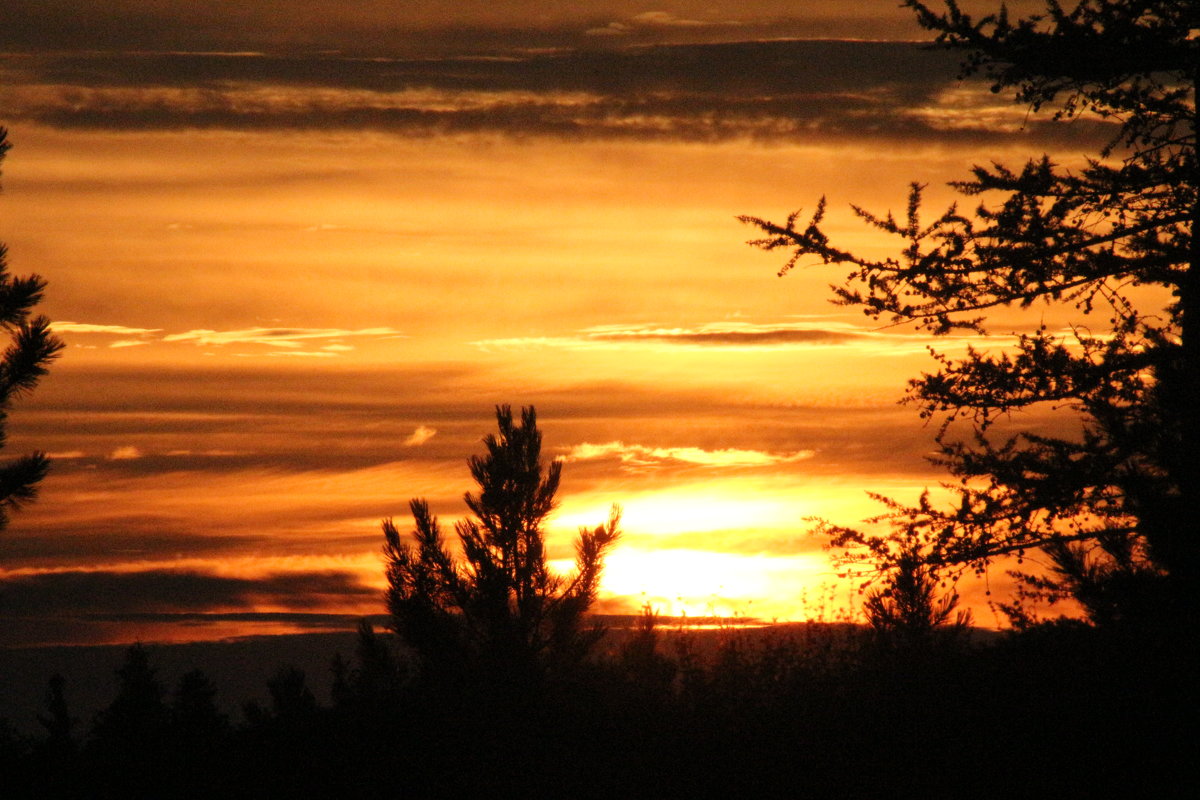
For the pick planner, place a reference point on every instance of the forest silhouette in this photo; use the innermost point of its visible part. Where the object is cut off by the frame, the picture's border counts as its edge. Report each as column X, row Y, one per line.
column 494, row 679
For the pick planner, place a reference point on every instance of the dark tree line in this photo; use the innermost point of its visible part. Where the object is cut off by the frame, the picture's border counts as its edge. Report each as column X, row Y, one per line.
column 813, row 710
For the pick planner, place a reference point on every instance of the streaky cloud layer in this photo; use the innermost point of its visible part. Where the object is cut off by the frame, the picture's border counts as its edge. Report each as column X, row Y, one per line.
column 385, row 27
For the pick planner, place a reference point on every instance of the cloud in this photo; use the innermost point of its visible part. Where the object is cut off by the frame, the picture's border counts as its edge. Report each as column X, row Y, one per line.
column 88, row 327
column 294, row 354
column 717, row 334
column 275, row 337
column 279, row 341
column 738, row 336
column 641, row 456
column 611, row 29
column 772, row 68
column 731, row 335
column 126, row 453
column 653, row 21
column 760, row 90
column 465, row 27
column 83, row 592
column 420, row 436
column 665, row 19
column 295, row 420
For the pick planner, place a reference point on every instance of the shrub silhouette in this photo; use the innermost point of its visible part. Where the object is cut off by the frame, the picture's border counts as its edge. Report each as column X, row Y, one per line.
column 908, row 609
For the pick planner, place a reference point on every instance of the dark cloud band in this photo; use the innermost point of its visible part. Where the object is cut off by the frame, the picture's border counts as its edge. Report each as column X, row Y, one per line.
column 161, row 591
column 387, row 27
column 749, row 338
column 769, row 91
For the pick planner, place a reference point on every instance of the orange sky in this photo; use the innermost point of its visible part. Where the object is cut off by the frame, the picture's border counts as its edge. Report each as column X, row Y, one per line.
column 296, row 276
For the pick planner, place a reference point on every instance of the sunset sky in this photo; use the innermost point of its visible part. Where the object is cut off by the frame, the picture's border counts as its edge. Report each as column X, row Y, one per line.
column 299, row 258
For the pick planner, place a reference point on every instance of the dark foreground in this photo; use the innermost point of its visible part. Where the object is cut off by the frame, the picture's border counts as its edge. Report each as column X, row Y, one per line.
column 1059, row 710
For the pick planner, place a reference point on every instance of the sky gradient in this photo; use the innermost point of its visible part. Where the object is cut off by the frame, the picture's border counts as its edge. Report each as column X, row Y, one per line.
column 298, row 260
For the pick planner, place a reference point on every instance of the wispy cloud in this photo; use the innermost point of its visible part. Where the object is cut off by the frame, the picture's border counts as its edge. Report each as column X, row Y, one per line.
column 650, row 21
column 734, row 335
column 641, row 456
column 292, row 338
column 972, row 107
column 731, row 334
column 279, row 341
column 420, row 436
column 717, row 334
column 89, row 327
column 293, row 354
column 131, row 453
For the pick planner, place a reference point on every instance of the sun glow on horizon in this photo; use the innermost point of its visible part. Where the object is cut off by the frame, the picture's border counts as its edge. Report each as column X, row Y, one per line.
column 706, row 549
column 686, row 510
column 691, row 582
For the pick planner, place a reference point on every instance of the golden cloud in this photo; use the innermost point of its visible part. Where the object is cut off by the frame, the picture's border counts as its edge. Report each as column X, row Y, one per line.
column 641, row 456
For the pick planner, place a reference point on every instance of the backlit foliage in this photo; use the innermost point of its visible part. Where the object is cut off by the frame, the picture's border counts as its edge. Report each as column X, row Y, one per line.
column 1112, row 503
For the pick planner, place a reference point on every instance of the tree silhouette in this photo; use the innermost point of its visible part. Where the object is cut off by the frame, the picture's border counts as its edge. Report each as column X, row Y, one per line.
column 57, row 720
column 23, row 362
column 373, row 684
column 1112, row 504
column 194, row 712
column 127, row 754
column 290, row 696
column 500, row 607
column 138, row 716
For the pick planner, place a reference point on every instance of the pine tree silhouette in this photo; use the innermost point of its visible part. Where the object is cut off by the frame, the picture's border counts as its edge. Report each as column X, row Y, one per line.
column 31, row 349
column 500, row 609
